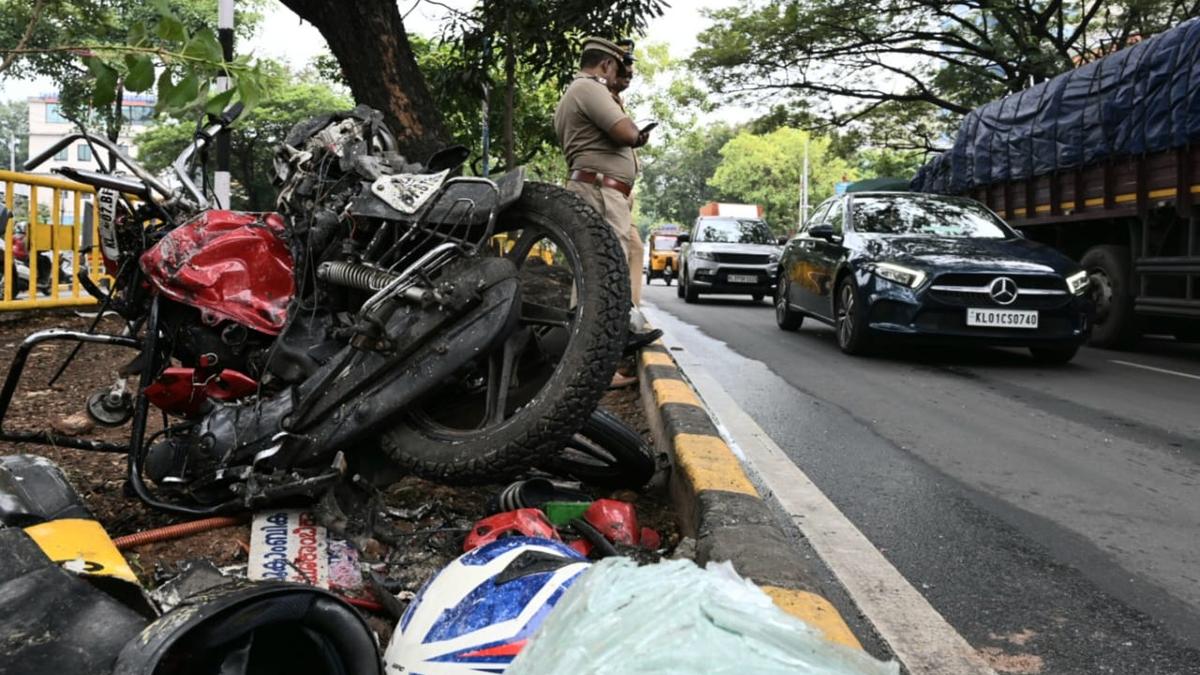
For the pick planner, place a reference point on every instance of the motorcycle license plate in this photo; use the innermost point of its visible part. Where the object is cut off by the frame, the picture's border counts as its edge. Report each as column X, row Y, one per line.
column 1002, row 318
column 742, row 279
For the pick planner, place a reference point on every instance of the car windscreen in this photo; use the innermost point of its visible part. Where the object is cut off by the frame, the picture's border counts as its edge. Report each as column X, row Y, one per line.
column 664, row 243
column 734, row 231
column 929, row 216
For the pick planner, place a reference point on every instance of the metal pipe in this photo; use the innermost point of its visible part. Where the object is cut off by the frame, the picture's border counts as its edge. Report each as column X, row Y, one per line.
column 14, row 377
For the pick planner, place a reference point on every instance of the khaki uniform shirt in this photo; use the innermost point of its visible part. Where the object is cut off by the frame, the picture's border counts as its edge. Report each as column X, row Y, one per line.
column 584, row 115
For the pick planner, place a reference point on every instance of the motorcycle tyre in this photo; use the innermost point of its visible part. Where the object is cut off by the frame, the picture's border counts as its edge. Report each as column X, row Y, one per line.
column 629, row 464
column 541, row 427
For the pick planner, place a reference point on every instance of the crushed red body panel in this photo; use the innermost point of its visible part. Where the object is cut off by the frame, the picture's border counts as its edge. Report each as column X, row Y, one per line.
column 526, row 522
column 184, row 391
column 232, row 266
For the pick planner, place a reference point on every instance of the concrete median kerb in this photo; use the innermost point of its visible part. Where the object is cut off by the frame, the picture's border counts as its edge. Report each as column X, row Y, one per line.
column 718, row 504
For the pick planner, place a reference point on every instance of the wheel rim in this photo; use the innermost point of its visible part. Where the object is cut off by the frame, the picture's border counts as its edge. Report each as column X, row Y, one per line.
column 515, row 373
column 1102, row 293
column 780, row 301
column 845, row 315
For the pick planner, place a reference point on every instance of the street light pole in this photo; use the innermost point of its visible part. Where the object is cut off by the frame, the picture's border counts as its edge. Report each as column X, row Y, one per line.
column 225, row 35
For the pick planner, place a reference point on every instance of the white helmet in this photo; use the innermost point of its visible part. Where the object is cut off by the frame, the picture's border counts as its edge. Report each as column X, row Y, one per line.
column 476, row 614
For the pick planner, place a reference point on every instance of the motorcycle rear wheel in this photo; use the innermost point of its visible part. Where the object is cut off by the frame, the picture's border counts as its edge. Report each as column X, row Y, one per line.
column 520, row 404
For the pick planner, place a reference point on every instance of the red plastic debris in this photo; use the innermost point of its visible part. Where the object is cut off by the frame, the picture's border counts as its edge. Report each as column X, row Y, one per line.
column 650, row 539
column 232, row 266
column 617, row 521
column 524, row 522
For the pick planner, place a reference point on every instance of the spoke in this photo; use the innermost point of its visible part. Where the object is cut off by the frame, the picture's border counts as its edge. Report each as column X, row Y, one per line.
column 500, row 376
column 495, row 396
column 537, row 314
column 523, row 245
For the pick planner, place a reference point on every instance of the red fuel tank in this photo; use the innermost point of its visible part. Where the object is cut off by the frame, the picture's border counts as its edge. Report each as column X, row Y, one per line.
column 230, row 265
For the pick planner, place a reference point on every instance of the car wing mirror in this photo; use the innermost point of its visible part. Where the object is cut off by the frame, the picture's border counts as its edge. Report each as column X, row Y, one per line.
column 821, row 231
column 782, row 241
column 682, row 238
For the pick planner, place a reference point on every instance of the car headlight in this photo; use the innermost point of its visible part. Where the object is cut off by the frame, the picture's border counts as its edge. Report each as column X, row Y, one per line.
column 704, row 255
column 1078, row 282
column 905, row 276
column 773, row 258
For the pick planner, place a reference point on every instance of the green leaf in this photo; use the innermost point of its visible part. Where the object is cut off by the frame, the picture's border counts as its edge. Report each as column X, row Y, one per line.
column 205, row 46
column 171, row 29
column 104, row 90
column 165, row 88
column 248, row 90
column 217, row 104
column 137, row 34
column 184, row 93
column 140, row 75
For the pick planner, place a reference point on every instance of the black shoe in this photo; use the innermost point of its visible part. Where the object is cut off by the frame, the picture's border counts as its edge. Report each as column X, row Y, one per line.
column 636, row 341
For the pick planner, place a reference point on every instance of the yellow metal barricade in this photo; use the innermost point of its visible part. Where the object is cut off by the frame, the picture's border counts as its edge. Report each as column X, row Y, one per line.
column 48, row 218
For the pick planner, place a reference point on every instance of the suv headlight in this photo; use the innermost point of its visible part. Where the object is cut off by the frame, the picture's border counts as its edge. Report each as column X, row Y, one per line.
column 905, row 276
column 1079, row 282
column 704, row 255
column 773, row 258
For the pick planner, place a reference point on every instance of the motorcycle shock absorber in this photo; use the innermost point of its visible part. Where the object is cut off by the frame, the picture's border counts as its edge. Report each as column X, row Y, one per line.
column 354, row 275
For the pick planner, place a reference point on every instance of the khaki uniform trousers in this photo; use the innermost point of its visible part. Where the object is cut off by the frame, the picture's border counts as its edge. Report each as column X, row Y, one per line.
column 617, row 211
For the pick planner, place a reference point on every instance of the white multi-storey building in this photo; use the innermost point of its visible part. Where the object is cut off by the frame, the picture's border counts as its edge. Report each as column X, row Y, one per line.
column 47, row 126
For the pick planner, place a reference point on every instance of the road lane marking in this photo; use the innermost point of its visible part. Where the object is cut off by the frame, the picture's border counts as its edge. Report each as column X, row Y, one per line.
column 917, row 634
column 1131, row 364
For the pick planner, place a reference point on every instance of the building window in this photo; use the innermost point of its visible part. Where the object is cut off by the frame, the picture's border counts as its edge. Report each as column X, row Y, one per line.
column 124, row 149
column 54, row 114
column 137, row 114
column 83, row 152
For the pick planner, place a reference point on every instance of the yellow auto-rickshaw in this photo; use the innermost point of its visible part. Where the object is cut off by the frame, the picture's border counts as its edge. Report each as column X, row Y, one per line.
column 662, row 250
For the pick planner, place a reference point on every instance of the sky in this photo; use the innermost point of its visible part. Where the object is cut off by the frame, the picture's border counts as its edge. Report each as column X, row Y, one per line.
column 284, row 37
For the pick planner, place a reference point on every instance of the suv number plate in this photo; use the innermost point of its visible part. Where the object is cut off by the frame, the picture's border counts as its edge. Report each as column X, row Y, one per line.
column 742, row 279
column 1002, row 318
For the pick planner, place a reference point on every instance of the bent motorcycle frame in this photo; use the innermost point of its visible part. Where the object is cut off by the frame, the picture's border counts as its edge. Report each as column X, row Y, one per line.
column 460, row 210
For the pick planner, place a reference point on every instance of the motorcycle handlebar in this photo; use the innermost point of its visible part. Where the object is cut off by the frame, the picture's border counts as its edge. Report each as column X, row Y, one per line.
column 226, row 119
column 150, row 181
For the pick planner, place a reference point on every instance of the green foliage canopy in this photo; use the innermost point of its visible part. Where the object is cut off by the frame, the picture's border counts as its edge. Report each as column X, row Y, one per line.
column 765, row 169
column 846, row 59
column 288, row 98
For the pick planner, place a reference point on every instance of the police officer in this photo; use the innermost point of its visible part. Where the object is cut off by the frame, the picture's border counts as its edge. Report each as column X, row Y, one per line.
column 598, row 139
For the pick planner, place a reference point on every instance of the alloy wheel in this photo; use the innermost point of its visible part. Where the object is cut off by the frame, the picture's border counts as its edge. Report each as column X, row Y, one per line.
column 845, row 315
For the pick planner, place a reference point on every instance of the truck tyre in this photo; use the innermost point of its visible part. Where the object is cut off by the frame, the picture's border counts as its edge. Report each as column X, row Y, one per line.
column 1115, row 326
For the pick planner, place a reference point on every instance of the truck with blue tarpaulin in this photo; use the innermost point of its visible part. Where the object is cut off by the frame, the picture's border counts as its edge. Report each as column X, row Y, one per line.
column 1102, row 163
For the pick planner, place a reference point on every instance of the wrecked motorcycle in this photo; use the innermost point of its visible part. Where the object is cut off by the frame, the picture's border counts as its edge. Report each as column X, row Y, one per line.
column 367, row 327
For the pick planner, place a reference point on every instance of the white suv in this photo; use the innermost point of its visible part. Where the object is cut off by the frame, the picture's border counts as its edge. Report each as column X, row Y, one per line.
column 725, row 255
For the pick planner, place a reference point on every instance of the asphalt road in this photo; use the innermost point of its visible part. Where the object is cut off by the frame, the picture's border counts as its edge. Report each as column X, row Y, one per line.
column 1052, row 515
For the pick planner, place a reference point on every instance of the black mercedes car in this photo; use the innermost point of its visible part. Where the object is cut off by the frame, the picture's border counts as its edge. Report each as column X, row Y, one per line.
column 889, row 265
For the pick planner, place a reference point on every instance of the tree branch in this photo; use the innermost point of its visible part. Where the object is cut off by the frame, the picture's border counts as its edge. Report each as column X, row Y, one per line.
column 34, row 17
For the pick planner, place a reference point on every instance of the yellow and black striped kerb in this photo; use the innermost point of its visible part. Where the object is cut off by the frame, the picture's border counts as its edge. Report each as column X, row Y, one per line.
column 717, row 502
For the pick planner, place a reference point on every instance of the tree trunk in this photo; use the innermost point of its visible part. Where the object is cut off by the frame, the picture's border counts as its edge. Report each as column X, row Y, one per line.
column 368, row 40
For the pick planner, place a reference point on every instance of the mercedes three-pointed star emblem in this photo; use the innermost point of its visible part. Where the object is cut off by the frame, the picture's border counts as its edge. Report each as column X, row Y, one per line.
column 1003, row 290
